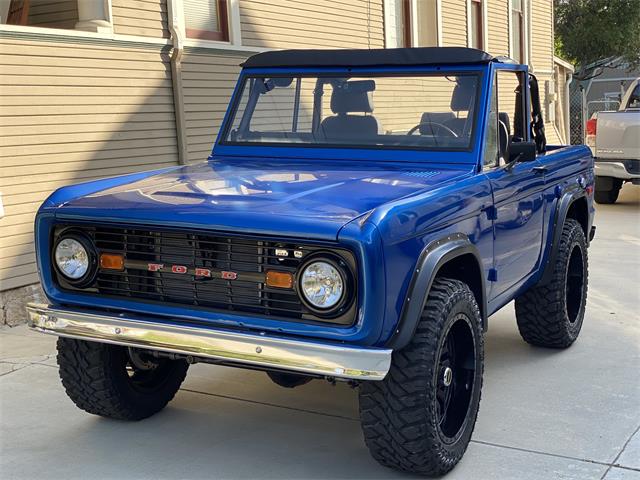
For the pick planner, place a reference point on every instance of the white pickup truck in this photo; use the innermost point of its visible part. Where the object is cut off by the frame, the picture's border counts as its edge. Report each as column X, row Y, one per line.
column 615, row 140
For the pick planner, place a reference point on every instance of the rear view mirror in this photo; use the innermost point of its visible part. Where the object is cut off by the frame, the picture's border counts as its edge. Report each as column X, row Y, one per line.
column 358, row 86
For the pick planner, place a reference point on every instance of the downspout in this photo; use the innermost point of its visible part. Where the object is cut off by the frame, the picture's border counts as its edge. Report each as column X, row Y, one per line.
column 177, row 51
column 567, row 108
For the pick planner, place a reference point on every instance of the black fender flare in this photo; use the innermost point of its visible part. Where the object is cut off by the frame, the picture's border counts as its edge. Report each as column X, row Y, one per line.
column 562, row 208
column 431, row 259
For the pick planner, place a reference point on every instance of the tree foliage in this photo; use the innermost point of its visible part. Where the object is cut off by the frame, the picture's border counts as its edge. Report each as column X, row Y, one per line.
column 591, row 30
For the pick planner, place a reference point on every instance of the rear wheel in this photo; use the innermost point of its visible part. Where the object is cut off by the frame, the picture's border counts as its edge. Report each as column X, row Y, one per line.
column 420, row 417
column 117, row 382
column 607, row 189
column 551, row 315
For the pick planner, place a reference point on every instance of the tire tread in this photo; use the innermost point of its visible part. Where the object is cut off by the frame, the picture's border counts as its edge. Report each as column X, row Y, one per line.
column 88, row 375
column 540, row 312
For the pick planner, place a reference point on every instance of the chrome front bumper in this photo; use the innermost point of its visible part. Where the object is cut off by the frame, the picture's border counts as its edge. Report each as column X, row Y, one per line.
column 228, row 346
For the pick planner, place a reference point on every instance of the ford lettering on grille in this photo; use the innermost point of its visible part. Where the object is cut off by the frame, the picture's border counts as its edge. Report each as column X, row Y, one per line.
column 197, row 271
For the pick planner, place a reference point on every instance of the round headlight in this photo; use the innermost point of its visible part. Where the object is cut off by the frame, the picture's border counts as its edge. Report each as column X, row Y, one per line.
column 72, row 258
column 322, row 285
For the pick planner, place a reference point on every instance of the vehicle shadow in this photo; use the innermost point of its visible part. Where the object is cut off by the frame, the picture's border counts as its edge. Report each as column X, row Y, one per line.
column 219, row 434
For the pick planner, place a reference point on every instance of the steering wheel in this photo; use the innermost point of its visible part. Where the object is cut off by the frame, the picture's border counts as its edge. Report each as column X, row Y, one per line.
column 439, row 126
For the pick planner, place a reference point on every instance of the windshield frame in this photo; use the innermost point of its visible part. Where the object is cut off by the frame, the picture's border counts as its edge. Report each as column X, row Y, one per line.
column 228, row 147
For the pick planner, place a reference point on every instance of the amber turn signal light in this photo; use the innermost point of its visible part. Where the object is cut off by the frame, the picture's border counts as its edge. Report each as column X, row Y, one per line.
column 279, row 279
column 111, row 261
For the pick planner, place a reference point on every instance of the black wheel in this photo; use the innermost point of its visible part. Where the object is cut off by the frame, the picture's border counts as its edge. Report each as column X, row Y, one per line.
column 551, row 315
column 421, row 416
column 288, row 380
column 607, row 190
column 117, row 382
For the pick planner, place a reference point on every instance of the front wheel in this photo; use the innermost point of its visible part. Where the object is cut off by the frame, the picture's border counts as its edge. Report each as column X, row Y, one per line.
column 117, row 382
column 421, row 416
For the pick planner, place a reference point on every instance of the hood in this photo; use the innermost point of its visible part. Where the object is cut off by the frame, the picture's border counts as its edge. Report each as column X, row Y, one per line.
column 312, row 200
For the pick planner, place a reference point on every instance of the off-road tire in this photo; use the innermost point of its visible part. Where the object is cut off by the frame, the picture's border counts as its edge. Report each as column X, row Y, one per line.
column 399, row 414
column 289, row 380
column 609, row 194
column 551, row 315
column 95, row 377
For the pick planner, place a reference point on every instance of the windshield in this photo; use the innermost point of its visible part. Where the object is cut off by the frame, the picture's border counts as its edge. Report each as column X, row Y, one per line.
column 430, row 111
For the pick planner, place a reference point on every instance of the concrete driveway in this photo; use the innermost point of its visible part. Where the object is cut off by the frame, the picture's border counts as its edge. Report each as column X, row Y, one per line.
column 544, row 414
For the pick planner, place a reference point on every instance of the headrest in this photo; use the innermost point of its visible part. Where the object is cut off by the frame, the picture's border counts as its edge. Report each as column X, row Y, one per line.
column 354, row 96
column 464, row 93
column 504, row 118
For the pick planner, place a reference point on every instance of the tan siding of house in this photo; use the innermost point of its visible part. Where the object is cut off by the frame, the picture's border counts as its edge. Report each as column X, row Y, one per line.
column 71, row 113
column 454, row 23
column 541, row 61
column 312, row 23
column 53, row 13
column 209, row 78
column 541, row 57
column 498, row 27
column 144, row 18
column 208, row 81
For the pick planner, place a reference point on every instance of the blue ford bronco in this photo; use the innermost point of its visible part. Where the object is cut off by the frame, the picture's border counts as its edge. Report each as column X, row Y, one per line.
column 362, row 215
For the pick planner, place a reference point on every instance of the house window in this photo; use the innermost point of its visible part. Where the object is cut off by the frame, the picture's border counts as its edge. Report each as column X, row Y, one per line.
column 41, row 13
column 427, row 23
column 476, row 31
column 517, row 30
column 411, row 23
column 397, row 23
column 206, row 19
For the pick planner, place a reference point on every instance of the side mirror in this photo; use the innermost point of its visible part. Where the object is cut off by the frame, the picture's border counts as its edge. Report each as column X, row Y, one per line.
column 522, row 152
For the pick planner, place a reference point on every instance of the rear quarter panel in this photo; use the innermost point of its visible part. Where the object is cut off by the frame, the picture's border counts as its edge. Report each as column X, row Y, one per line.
column 569, row 172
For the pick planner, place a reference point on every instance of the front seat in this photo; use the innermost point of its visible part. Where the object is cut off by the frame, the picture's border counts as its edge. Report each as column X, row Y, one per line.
column 347, row 99
column 463, row 99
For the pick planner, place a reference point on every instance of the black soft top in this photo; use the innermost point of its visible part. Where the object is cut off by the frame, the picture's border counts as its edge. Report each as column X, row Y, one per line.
column 369, row 58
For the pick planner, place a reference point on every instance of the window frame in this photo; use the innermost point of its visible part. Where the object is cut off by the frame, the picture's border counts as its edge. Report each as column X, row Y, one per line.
column 522, row 27
column 491, row 128
column 219, row 36
column 410, row 23
column 104, row 32
column 24, row 14
column 632, row 97
column 477, row 30
column 526, row 113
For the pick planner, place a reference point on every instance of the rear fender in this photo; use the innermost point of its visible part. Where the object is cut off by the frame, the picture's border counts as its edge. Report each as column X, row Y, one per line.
column 562, row 208
column 430, row 262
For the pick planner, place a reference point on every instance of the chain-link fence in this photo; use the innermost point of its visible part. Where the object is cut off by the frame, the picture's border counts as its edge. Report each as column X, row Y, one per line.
column 601, row 106
column 581, row 111
column 576, row 117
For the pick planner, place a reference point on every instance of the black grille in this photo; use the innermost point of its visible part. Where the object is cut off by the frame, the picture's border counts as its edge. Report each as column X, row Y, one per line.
column 245, row 259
